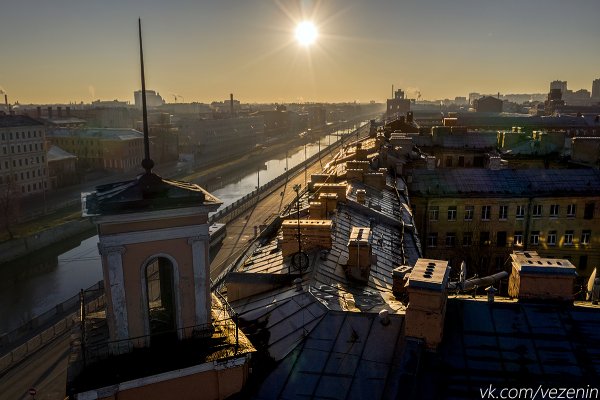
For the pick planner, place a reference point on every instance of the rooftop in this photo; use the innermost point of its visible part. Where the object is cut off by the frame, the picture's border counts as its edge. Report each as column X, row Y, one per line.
column 55, row 153
column 505, row 182
column 147, row 192
column 510, row 344
column 10, row 121
column 99, row 133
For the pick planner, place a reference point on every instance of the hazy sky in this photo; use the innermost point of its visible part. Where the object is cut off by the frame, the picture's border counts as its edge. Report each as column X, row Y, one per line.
column 82, row 50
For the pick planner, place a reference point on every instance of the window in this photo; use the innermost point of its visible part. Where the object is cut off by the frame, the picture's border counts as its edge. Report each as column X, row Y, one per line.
column 554, row 210
column 586, row 236
column 484, row 238
column 571, row 210
column 537, row 211
column 452, row 213
column 503, row 214
column 501, row 239
column 448, row 161
column 520, row 212
column 432, row 239
column 568, row 238
column 467, row 238
column 552, row 238
column 434, row 212
column 469, row 210
column 534, row 240
column 461, row 161
column 518, row 239
column 485, row 212
column 588, row 211
column 450, row 239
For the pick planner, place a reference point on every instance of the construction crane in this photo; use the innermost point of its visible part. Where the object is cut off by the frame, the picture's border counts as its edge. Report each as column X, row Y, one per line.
column 176, row 96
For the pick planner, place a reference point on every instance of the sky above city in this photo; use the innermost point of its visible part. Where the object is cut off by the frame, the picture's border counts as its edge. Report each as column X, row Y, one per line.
column 64, row 51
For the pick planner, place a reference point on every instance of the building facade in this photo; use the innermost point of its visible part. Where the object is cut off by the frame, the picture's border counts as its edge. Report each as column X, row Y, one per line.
column 479, row 216
column 488, row 104
column 111, row 149
column 23, row 163
column 596, row 90
column 398, row 105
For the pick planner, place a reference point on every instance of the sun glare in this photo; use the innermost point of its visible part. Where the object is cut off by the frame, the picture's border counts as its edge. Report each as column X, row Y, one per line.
column 306, row 33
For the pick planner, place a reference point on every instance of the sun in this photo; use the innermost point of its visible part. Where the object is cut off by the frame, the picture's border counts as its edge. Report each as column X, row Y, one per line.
column 306, row 33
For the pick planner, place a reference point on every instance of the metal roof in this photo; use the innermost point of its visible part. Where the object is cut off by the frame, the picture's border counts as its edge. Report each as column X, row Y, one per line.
column 11, row 121
column 510, row 344
column 521, row 183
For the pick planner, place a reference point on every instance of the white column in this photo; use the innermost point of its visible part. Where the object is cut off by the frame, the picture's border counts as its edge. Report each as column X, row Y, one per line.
column 199, row 257
column 116, row 285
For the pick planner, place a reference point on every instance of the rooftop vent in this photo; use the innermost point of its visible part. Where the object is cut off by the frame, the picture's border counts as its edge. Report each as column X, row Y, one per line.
column 537, row 278
column 427, row 301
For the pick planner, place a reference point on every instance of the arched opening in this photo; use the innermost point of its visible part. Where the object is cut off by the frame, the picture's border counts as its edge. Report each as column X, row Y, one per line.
column 160, row 291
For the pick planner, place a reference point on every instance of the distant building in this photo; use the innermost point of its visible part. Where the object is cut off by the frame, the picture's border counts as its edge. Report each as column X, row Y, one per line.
column 488, row 104
column 62, row 168
column 480, row 215
column 559, row 85
column 23, row 163
column 164, row 142
column 398, row 105
column 111, row 149
column 153, row 99
column 474, row 96
column 596, row 90
column 317, row 117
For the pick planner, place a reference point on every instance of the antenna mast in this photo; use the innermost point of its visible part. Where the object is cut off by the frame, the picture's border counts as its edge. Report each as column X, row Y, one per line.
column 147, row 163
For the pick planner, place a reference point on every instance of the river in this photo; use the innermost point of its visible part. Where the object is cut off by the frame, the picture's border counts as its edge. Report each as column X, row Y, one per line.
column 37, row 282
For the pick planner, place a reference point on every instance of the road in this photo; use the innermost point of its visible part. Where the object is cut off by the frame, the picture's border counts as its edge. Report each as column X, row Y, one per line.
column 46, row 372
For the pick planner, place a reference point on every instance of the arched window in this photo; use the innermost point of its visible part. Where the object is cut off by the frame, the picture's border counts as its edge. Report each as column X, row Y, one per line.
column 161, row 298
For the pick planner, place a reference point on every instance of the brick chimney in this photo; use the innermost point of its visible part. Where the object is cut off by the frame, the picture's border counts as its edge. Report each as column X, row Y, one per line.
column 314, row 233
column 540, row 279
column 427, row 301
column 359, row 254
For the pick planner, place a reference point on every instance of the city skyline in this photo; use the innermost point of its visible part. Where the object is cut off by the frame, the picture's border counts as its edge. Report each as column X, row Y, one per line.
column 72, row 52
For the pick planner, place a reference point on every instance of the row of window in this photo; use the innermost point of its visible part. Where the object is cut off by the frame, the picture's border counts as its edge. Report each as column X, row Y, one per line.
column 23, row 162
column 21, row 135
column 23, row 149
column 24, row 175
column 501, row 238
column 536, row 212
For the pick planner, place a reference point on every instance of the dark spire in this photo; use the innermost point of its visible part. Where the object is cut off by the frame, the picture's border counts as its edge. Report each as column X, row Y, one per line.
column 147, row 162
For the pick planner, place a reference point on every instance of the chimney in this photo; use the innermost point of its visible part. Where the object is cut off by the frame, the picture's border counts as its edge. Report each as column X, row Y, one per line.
column 49, row 112
column 540, row 279
column 361, row 196
column 495, row 163
column 39, row 112
column 427, row 301
column 59, row 112
column 399, row 279
column 359, row 254
column 231, row 103
column 430, row 163
column 314, row 233
column 6, row 102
